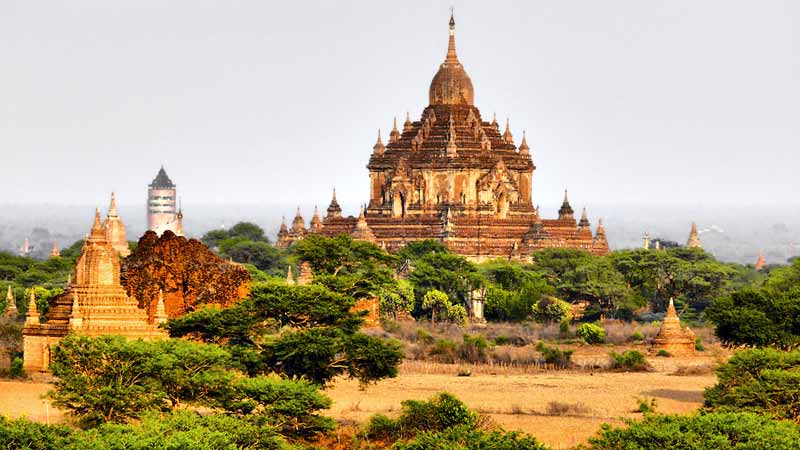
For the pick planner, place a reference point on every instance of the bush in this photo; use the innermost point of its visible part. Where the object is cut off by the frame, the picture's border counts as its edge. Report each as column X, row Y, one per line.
column 698, row 344
column 553, row 355
column 440, row 413
column 663, row 353
column 16, row 369
column 22, row 434
column 765, row 381
column 474, row 349
column 637, row 337
column 502, row 340
column 630, row 360
column 552, row 310
column 647, row 406
column 734, row 431
column 464, row 438
column 591, row 333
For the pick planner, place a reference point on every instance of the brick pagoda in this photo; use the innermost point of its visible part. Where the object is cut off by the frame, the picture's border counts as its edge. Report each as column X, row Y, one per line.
column 94, row 304
column 454, row 177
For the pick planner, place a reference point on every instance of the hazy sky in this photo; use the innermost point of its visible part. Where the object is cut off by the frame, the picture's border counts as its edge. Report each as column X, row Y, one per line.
column 276, row 102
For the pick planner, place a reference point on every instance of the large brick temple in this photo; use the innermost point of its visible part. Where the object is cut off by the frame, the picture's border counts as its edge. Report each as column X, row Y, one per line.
column 454, row 177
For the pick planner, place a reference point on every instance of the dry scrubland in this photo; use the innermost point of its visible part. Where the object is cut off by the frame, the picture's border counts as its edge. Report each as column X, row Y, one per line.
column 560, row 407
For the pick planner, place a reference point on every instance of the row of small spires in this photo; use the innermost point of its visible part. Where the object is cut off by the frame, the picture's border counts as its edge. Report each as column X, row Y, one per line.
column 394, row 136
column 32, row 316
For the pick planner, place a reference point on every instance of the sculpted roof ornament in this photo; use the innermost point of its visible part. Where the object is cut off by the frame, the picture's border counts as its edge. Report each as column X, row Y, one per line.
column 407, row 124
column 508, row 138
column 394, row 136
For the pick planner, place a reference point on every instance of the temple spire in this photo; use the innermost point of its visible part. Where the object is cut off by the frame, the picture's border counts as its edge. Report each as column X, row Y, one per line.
column 565, row 212
column 334, row 210
column 584, row 223
column 394, row 135
column 32, row 318
column 378, row 148
column 11, row 305
column 452, row 58
column 75, row 317
column 523, row 147
column 55, row 252
column 112, row 208
column 407, row 125
column 98, row 231
column 451, row 141
column 508, row 138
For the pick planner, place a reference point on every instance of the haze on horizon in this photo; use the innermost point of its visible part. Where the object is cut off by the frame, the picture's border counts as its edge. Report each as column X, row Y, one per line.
column 275, row 103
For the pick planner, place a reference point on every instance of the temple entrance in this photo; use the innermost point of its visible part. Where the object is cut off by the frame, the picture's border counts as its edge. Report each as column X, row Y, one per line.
column 502, row 206
column 399, row 205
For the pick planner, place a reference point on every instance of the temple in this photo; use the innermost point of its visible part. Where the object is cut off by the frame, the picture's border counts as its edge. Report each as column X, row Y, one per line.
column 163, row 212
column 454, row 177
column 93, row 304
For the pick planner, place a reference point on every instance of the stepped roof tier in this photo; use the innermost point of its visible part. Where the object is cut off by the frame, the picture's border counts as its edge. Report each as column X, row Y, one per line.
column 453, row 176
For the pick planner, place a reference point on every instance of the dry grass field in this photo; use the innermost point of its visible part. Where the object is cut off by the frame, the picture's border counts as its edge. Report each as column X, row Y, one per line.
column 561, row 408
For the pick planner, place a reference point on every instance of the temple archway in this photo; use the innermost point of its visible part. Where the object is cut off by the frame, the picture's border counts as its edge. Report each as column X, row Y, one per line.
column 502, row 206
column 399, row 205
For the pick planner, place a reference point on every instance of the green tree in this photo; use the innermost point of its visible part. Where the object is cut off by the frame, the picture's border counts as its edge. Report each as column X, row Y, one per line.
column 764, row 381
column 437, row 303
column 307, row 331
column 552, row 310
column 757, row 318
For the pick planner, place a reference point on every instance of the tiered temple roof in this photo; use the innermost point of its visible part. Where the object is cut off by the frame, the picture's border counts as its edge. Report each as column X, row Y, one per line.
column 455, row 177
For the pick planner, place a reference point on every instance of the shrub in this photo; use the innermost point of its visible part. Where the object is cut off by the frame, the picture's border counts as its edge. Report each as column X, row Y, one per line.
column 16, row 369
column 563, row 329
column 663, row 353
column 631, row 360
column 424, row 337
column 646, row 406
column 733, row 431
column 553, row 355
column 591, row 333
column 22, row 434
column 502, row 340
column 637, row 337
column 698, row 344
column 444, row 350
column 551, row 309
column 763, row 381
column 473, row 349
column 440, row 413
column 464, row 438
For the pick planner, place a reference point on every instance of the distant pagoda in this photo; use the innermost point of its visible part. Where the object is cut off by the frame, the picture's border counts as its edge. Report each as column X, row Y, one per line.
column 94, row 304
column 163, row 211
column 453, row 177
column 694, row 238
column 761, row 261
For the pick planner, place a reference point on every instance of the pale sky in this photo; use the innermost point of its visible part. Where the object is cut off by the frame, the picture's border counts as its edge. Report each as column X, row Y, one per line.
column 276, row 102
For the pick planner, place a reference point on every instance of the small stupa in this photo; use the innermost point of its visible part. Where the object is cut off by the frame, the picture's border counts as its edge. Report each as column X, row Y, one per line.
column 11, row 311
column 672, row 337
column 761, row 261
column 694, row 238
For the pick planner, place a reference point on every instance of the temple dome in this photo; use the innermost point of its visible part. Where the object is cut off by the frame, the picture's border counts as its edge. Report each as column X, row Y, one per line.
column 451, row 84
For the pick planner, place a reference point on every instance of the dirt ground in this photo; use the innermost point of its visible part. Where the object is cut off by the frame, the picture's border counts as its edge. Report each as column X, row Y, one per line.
column 516, row 399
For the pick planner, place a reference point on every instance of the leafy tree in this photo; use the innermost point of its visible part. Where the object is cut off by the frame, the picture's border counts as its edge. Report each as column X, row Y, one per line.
column 758, row 318
column 261, row 254
column 763, row 381
column 437, row 303
column 730, row 431
column 110, row 379
column 514, row 290
column 249, row 231
column 399, row 301
column 291, row 407
column 462, row 438
column 307, row 331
